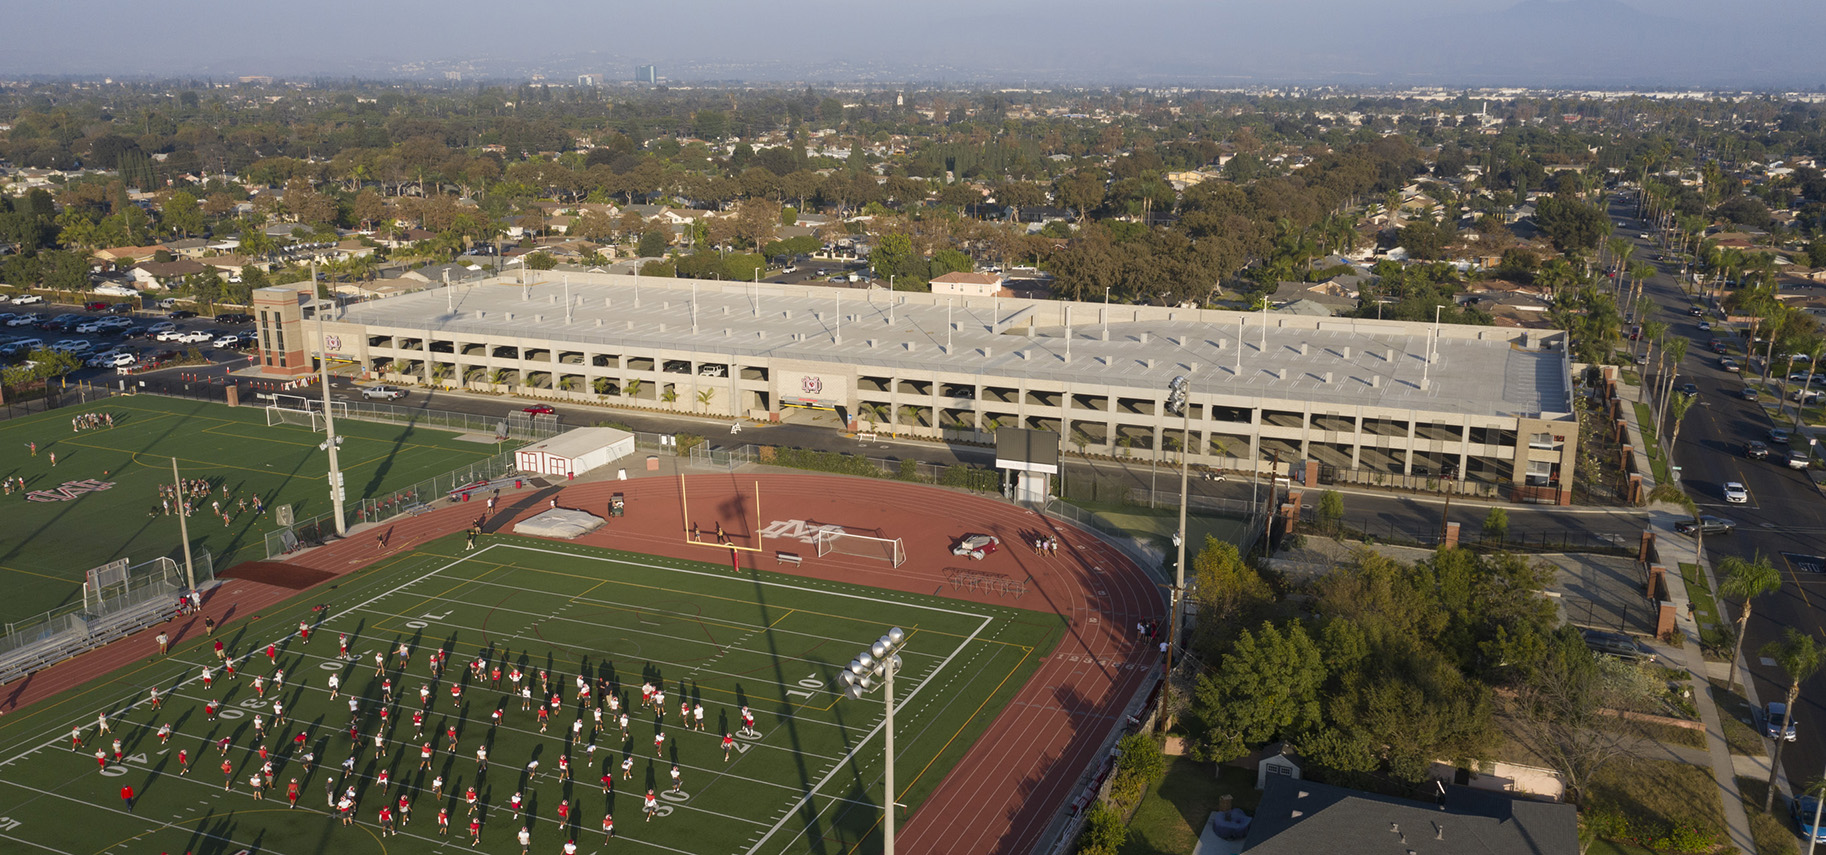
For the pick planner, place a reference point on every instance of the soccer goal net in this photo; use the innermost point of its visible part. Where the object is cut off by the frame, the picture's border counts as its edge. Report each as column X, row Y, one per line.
column 339, row 409
column 277, row 415
column 886, row 549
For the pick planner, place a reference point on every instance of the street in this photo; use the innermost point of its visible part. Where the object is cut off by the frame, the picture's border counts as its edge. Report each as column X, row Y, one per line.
column 1784, row 519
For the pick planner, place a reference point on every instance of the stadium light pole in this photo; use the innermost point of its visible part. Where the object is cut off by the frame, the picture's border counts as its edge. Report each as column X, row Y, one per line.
column 190, row 569
column 1178, row 393
column 329, row 418
column 881, row 660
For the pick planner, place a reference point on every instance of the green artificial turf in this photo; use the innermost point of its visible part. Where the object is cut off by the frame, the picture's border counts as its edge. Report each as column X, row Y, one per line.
column 47, row 546
column 808, row 781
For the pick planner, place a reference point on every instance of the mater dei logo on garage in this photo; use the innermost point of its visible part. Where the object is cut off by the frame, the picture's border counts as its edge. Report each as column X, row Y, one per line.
column 812, row 384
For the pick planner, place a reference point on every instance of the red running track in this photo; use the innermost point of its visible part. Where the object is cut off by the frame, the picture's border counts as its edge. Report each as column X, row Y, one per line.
column 1008, row 788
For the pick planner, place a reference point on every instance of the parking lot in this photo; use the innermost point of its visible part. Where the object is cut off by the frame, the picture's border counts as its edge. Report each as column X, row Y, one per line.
column 106, row 337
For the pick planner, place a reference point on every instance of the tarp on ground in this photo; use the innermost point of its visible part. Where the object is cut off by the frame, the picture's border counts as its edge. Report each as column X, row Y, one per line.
column 560, row 523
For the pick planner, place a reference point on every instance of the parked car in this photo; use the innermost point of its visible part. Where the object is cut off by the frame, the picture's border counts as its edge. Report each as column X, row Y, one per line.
column 1804, row 809
column 22, row 320
column 1748, row 394
column 197, row 337
column 1706, row 525
column 1717, row 346
column 1756, row 449
column 168, row 302
column 94, row 326
column 132, row 332
column 96, row 305
column 1777, row 724
column 171, row 335
column 121, row 360
column 235, row 318
column 161, row 326
column 227, row 340
column 1729, row 364
column 1705, row 326
column 181, row 314
column 383, row 393
column 1616, row 644
column 1689, row 390
column 1799, row 459
column 1735, row 493
column 1780, row 436
column 121, row 308
column 27, row 299
column 538, row 410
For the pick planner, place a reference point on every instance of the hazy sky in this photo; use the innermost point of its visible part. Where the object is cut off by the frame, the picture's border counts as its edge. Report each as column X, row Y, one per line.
column 1759, row 43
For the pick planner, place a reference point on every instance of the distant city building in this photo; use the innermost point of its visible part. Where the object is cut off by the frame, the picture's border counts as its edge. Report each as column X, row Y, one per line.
column 646, row 74
column 589, row 80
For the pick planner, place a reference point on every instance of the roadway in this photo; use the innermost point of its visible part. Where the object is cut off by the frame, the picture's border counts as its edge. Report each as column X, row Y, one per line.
column 1785, row 517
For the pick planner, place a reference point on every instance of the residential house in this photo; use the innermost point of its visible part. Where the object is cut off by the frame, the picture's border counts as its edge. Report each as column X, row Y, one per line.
column 187, row 248
column 126, row 256
column 968, row 284
column 232, row 265
column 163, row 275
column 437, row 273
column 1299, row 817
column 1337, row 296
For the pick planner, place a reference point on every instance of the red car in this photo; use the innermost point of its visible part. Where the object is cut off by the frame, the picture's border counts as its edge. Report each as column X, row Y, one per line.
column 538, row 410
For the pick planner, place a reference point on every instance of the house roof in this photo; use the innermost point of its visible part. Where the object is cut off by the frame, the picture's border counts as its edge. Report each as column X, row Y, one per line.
column 1307, row 818
column 167, row 269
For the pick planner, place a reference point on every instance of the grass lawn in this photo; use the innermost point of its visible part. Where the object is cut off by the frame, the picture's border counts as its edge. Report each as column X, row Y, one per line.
column 1160, row 523
column 1173, row 812
column 46, row 546
column 1645, row 422
column 1736, row 715
column 1774, row 833
column 1705, row 609
column 1659, row 791
column 806, row 780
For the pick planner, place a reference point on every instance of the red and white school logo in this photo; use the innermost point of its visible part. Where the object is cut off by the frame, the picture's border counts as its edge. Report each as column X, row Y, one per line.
column 812, row 385
column 331, row 342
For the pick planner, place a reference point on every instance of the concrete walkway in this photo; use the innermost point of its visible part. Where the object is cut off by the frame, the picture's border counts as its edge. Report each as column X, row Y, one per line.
column 1675, row 549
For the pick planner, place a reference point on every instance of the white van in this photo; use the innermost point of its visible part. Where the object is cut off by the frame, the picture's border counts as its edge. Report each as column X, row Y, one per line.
column 168, row 302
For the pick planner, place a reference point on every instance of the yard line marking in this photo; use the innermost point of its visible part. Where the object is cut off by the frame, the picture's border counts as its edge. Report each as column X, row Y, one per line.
column 39, row 845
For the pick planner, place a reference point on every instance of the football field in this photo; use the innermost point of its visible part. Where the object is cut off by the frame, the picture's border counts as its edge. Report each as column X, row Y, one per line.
column 99, row 500
column 807, row 778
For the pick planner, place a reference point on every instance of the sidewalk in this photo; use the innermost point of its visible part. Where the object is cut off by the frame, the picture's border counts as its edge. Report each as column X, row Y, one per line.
column 1675, row 549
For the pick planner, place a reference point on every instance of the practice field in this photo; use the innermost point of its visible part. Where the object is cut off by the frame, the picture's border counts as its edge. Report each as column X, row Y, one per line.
column 46, row 546
column 806, row 779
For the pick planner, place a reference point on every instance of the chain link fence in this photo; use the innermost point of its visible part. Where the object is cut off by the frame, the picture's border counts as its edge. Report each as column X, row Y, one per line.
column 148, row 593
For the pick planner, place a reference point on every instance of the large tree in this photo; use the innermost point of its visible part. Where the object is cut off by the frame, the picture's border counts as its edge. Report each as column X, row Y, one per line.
column 1266, row 687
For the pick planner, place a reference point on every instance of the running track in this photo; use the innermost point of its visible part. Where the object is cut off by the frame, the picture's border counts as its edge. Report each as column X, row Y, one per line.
column 999, row 800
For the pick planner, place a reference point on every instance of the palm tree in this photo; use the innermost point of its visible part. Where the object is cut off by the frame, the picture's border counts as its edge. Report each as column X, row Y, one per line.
column 1799, row 656
column 1745, row 581
column 704, row 396
column 1675, row 351
column 495, row 378
column 1679, row 405
column 631, row 389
